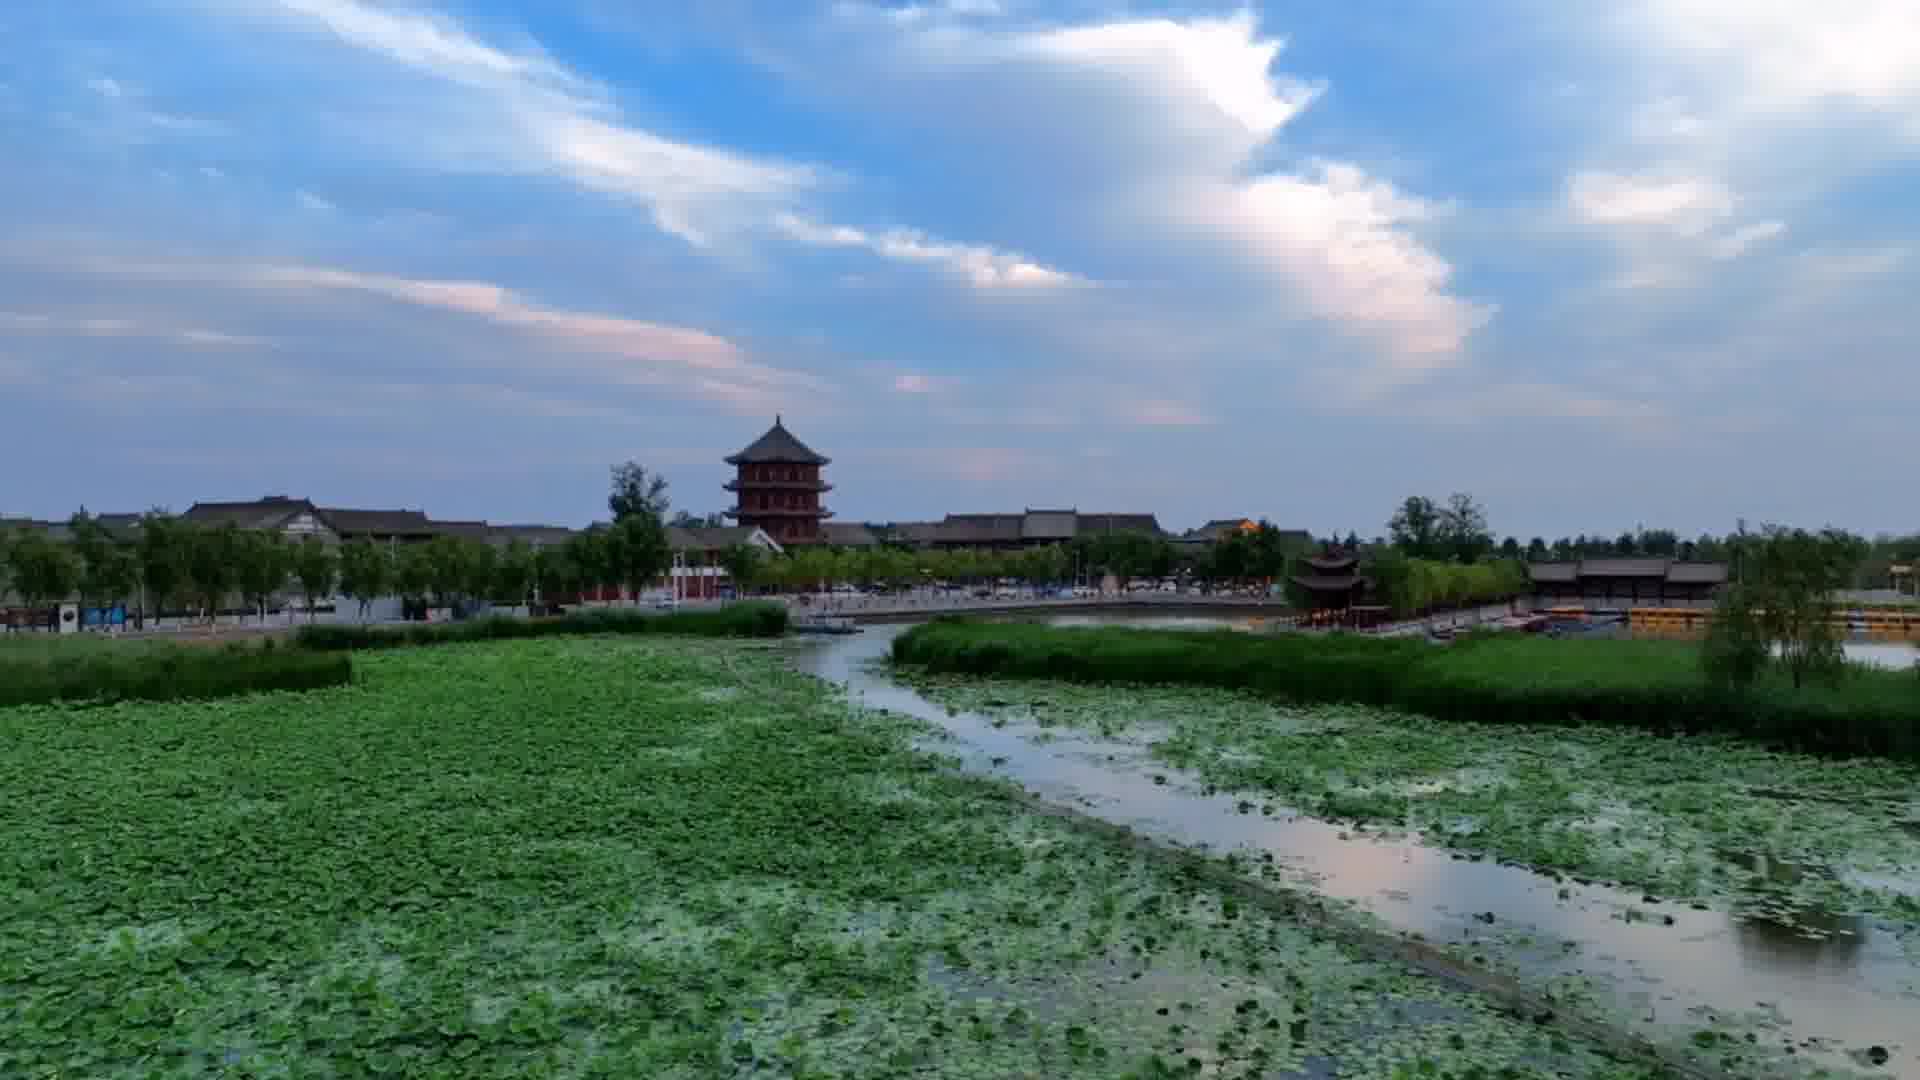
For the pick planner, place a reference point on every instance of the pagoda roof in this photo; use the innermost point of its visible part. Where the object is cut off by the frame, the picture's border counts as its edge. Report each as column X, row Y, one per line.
column 777, row 447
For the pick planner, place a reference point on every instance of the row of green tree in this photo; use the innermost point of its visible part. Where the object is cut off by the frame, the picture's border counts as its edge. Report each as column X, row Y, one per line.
column 172, row 565
column 1457, row 530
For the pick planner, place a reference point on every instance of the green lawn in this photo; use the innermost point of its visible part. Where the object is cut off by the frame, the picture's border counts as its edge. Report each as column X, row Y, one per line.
column 630, row 857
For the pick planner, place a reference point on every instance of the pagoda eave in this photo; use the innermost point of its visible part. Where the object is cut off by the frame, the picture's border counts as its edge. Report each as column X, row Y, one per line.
column 777, row 485
column 784, row 512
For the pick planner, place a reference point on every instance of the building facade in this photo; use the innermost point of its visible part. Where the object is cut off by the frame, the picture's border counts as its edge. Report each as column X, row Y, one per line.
column 1608, row 584
column 777, row 487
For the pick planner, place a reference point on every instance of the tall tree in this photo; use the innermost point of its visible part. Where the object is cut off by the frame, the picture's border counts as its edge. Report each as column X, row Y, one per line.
column 447, row 559
column 262, row 562
column 553, row 573
column 413, row 573
column 1463, row 531
column 44, row 571
column 480, row 566
column 93, row 548
column 1781, row 608
column 742, row 563
column 1662, row 543
column 637, row 491
column 212, row 565
column 1537, row 550
column 366, row 572
column 166, row 546
column 513, row 574
column 1415, row 528
column 637, row 552
column 317, row 568
column 586, row 554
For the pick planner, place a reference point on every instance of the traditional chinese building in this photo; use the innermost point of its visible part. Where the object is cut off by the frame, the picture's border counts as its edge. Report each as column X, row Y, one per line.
column 1618, row 584
column 1330, row 587
column 778, row 487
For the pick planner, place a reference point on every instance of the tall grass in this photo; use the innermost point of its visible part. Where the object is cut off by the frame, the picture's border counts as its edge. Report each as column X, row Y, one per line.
column 1656, row 685
column 735, row 620
column 38, row 670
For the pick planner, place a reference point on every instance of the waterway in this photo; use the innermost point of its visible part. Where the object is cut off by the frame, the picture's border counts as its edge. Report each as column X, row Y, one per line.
column 1839, row 991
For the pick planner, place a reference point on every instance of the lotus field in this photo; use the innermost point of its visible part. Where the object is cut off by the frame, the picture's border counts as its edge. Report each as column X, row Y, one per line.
column 634, row 857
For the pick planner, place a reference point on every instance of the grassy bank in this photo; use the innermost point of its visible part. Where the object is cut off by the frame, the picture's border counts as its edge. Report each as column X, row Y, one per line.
column 41, row 669
column 1652, row 685
column 745, row 620
column 634, row 857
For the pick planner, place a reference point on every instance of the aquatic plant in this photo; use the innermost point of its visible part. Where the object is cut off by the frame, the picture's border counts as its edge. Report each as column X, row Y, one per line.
column 645, row 857
column 751, row 619
column 1502, row 679
column 41, row 669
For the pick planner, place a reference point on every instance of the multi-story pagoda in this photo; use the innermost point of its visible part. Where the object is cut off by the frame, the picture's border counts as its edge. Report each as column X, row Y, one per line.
column 778, row 485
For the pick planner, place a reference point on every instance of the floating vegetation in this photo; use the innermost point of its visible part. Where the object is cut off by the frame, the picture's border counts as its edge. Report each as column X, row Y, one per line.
column 1792, row 837
column 634, row 857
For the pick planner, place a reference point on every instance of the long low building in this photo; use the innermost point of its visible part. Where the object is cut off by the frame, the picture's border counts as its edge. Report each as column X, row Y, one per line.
column 1027, row 529
column 1622, row 583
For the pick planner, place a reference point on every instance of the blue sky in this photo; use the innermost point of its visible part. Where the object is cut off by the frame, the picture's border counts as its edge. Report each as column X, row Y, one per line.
column 1601, row 264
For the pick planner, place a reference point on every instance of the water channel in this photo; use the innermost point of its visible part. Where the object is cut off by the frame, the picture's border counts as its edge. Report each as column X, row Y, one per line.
column 1841, row 999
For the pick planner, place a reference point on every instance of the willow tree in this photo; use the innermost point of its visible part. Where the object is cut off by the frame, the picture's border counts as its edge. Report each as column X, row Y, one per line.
column 1781, row 608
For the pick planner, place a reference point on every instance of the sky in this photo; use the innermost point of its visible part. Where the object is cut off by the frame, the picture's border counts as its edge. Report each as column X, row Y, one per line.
column 1602, row 263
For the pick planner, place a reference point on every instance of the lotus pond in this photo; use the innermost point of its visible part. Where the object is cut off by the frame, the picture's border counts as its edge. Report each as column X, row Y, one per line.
column 1706, row 820
column 633, row 858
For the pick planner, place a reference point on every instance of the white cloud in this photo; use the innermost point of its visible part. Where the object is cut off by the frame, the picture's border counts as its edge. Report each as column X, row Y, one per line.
column 603, row 348
column 1688, row 205
column 914, row 382
column 1791, row 54
column 309, row 201
column 1223, row 63
column 982, row 267
column 1171, row 125
column 634, row 339
column 107, row 88
column 41, row 323
column 1741, row 240
column 520, row 111
column 1334, row 233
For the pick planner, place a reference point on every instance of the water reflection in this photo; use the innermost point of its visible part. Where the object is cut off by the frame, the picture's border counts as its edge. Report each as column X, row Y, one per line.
column 1671, row 966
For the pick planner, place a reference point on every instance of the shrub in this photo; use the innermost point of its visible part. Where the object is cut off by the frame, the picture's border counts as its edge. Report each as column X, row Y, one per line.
column 42, row 671
column 735, row 620
column 1655, row 685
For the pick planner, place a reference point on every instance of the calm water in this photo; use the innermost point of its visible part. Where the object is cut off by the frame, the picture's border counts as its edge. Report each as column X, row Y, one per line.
column 1854, row 989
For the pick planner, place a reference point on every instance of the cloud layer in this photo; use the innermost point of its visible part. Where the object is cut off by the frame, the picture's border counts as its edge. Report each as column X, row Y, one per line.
column 1209, row 259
